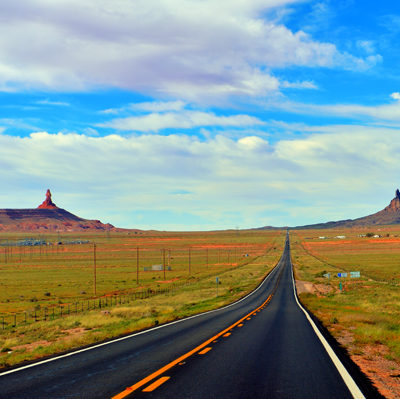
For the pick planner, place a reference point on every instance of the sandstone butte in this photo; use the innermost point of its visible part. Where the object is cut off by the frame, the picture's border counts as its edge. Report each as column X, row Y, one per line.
column 390, row 215
column 48, row 217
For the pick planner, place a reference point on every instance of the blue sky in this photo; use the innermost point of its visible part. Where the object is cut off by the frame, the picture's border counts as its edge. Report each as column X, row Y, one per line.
column 198, row 115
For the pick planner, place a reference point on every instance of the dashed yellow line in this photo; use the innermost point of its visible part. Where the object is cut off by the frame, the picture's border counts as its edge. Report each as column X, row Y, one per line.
column 156, row 384
column 204, row 351
column 168, row 366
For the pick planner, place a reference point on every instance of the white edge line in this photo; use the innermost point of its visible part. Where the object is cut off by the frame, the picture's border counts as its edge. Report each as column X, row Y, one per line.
column 140, row 332
column 347, row 378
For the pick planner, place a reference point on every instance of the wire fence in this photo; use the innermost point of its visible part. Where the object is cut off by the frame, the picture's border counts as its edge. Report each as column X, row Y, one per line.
column 182, row 266
column 63, row 310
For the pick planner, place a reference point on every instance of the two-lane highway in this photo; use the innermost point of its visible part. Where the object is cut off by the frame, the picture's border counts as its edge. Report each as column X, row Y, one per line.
column 260, row 347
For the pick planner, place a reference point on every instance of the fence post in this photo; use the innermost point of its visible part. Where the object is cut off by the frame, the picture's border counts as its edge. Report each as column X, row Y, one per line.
column 15, row 320
column 25, row 317
column 2, row 321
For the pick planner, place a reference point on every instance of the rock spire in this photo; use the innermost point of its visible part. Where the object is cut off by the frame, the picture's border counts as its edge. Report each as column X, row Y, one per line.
column 48, row 203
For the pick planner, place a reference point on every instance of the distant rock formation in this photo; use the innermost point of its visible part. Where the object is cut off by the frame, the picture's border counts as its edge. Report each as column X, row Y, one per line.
column 48, row 203
column 48, row 217
column 394, row 205
column 387, row 216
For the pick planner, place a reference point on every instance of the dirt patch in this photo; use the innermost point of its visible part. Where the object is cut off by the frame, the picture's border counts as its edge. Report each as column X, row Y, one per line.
column 310, row 288
column 305, row 287
column 32, row 346
column 167, row 281
column 71, row 334
column 384, row 373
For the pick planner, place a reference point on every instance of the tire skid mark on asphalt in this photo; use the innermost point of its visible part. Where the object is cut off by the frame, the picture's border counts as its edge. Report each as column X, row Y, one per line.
column 226, row 332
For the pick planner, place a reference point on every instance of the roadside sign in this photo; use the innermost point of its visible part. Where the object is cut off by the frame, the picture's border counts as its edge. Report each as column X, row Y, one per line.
column 355, row 274
column 342, row 274
column 217, row 280
column 327, row 275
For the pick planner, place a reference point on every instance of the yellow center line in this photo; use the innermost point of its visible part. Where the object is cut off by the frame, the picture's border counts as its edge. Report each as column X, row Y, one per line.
column 156, row 384
column 168, row 366
column 227, row 335
column 240, row 325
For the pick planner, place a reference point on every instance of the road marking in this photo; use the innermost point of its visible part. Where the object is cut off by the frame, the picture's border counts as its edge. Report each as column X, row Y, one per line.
column 347, row 378
column 240, row 325
column 170, row 365
column 206, row 350
column 156, row 384
column 273, row 271
column 249, row 318
column 226, row 335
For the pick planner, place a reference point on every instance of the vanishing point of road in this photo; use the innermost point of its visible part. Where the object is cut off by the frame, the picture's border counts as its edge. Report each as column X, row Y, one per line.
column 263, row 346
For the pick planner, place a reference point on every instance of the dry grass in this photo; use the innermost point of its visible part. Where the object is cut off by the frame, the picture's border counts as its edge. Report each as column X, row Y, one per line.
column 32, row 341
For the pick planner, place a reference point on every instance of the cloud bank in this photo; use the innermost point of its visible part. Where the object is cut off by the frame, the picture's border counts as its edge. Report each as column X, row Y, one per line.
column 196, row 50
column 219, row 182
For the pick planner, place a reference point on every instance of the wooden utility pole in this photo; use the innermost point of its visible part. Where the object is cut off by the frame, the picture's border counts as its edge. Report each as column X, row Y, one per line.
column 190, row 260
column 94, row 264
column 164, row 262
column 137, row 265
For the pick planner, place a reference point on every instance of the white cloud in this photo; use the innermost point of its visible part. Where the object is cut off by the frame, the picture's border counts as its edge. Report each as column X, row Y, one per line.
column 346, row 172
column 367, row 45
column 384, row 112
column 159, row 106
column 179, row 120
column 184, row 48
column 299, row 85
column 153, row 106
column 53, row 103
column 395, row 96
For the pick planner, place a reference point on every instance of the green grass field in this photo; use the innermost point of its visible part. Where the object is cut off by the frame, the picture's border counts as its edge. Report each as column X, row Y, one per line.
column 46, row 277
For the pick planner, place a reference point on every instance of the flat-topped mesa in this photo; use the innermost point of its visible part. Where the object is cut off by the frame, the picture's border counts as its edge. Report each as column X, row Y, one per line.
column 394, row 203
column 48, row 203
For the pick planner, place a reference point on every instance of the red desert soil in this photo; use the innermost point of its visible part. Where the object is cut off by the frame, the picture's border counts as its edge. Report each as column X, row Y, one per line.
column 384, row 373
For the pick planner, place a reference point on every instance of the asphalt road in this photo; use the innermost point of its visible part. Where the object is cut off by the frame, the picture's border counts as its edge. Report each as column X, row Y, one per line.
column 261, row 347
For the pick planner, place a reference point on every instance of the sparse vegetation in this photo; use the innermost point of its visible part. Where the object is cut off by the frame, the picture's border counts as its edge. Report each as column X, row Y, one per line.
column 40, row 339
column 365, row 317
